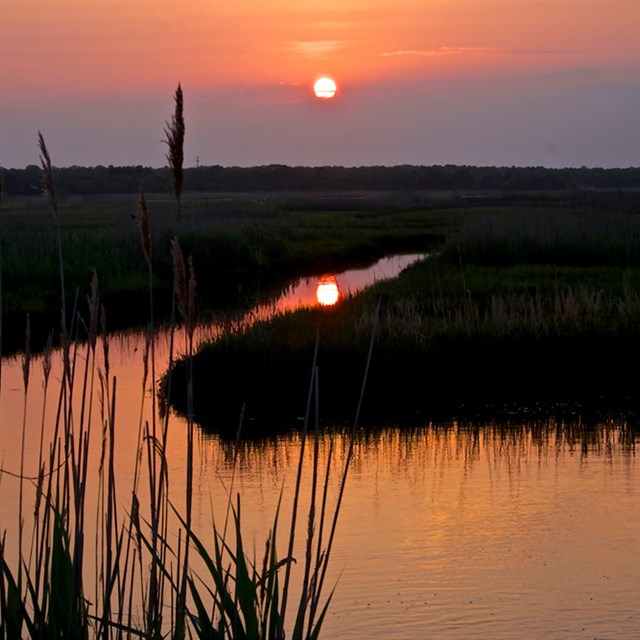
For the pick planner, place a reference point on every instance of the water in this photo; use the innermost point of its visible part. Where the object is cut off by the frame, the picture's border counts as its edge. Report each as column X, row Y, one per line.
column 451, row 531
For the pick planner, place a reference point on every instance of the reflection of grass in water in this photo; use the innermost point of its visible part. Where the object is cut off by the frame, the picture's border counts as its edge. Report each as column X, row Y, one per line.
column 145, row 582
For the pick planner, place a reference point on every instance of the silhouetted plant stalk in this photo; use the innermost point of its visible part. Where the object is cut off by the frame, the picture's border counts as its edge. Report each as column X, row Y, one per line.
column 323, row 559
column 174, row 132
column 296, row 493
column 49, row 189
column 185, row 297
column 66, row 388
column 26, row 365
column 1, row 308
column 155, row 448
column 38, row 521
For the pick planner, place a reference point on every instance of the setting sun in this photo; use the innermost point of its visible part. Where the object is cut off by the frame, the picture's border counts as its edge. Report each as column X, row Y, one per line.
column 325, row 88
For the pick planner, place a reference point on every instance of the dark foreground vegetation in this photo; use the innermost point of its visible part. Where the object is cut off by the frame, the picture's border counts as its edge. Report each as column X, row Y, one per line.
column 528, row 306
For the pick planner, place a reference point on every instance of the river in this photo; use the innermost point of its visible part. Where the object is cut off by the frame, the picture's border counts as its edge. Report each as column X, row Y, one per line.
column 446, row 531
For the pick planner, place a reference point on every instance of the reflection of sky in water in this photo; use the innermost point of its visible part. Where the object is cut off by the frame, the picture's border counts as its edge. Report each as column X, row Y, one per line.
column 474, row 534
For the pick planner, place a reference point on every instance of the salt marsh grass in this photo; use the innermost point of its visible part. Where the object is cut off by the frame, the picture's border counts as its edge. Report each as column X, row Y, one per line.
column 549, row 292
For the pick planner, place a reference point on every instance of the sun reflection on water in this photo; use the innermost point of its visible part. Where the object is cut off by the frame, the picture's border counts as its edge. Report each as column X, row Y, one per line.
column 327, row 292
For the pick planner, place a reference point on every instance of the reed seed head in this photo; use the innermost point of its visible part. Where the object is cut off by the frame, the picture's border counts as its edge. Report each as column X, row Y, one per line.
column 174, row 132
column 47, row 174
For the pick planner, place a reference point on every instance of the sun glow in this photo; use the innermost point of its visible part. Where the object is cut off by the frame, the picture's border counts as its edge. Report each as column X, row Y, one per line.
column 325, row 88
column 327, row 292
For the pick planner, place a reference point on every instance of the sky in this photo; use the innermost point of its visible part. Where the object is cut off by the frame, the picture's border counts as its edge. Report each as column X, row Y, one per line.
column 552, row 83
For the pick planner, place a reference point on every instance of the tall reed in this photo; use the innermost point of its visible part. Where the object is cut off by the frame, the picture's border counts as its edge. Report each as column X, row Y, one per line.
column 1, row 308
column 175, row 132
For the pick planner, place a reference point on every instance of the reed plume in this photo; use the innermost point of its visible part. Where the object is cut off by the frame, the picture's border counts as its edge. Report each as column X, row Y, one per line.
column 49, row 189
column 174, row 132
column 47, row 174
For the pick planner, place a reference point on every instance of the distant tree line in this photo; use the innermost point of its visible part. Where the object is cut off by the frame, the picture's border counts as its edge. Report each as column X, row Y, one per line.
column 76, row 180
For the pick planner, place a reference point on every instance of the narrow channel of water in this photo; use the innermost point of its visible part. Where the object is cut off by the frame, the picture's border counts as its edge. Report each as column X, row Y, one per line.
column 446, row 531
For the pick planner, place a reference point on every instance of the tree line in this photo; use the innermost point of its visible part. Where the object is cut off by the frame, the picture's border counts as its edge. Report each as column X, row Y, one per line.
column 111, row 179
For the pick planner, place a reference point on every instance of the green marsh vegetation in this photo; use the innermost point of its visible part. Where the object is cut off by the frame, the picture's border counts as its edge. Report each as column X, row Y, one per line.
column 526, row 306
column 67, row 572
column 245, row 246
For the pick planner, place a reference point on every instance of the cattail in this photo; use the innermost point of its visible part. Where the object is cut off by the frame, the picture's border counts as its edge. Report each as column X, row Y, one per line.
column 265, row 567
column 174, row 132
column 47, row 174
column 135, row 520
column 145, row 230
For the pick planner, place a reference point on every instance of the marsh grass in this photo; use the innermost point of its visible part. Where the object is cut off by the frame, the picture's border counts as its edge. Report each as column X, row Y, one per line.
column 580, row 236
column 245, row 247
column 143, row 582
column 520, row 305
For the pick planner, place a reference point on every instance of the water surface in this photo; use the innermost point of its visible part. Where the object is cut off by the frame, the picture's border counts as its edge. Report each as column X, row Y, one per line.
column 447, row 531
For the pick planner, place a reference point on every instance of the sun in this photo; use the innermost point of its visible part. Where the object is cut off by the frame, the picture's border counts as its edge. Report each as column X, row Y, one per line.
column 325, row 88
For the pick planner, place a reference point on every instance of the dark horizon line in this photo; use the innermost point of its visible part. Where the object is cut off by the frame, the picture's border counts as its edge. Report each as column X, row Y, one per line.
column 339, row 166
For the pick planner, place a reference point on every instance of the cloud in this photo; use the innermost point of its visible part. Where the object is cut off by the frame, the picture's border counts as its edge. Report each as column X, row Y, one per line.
column 316, row 47
column 441, row 51
column 543, row 52
column 472, row 51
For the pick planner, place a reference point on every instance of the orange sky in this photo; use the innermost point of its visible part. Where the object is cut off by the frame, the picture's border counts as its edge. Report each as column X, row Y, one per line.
column 120, row 50
column 117, row 46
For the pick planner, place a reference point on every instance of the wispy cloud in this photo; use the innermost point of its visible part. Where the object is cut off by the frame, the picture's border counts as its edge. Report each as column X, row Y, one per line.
column 471, row 51
column 441, row 51
column 317, row 47
column 543, row 52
